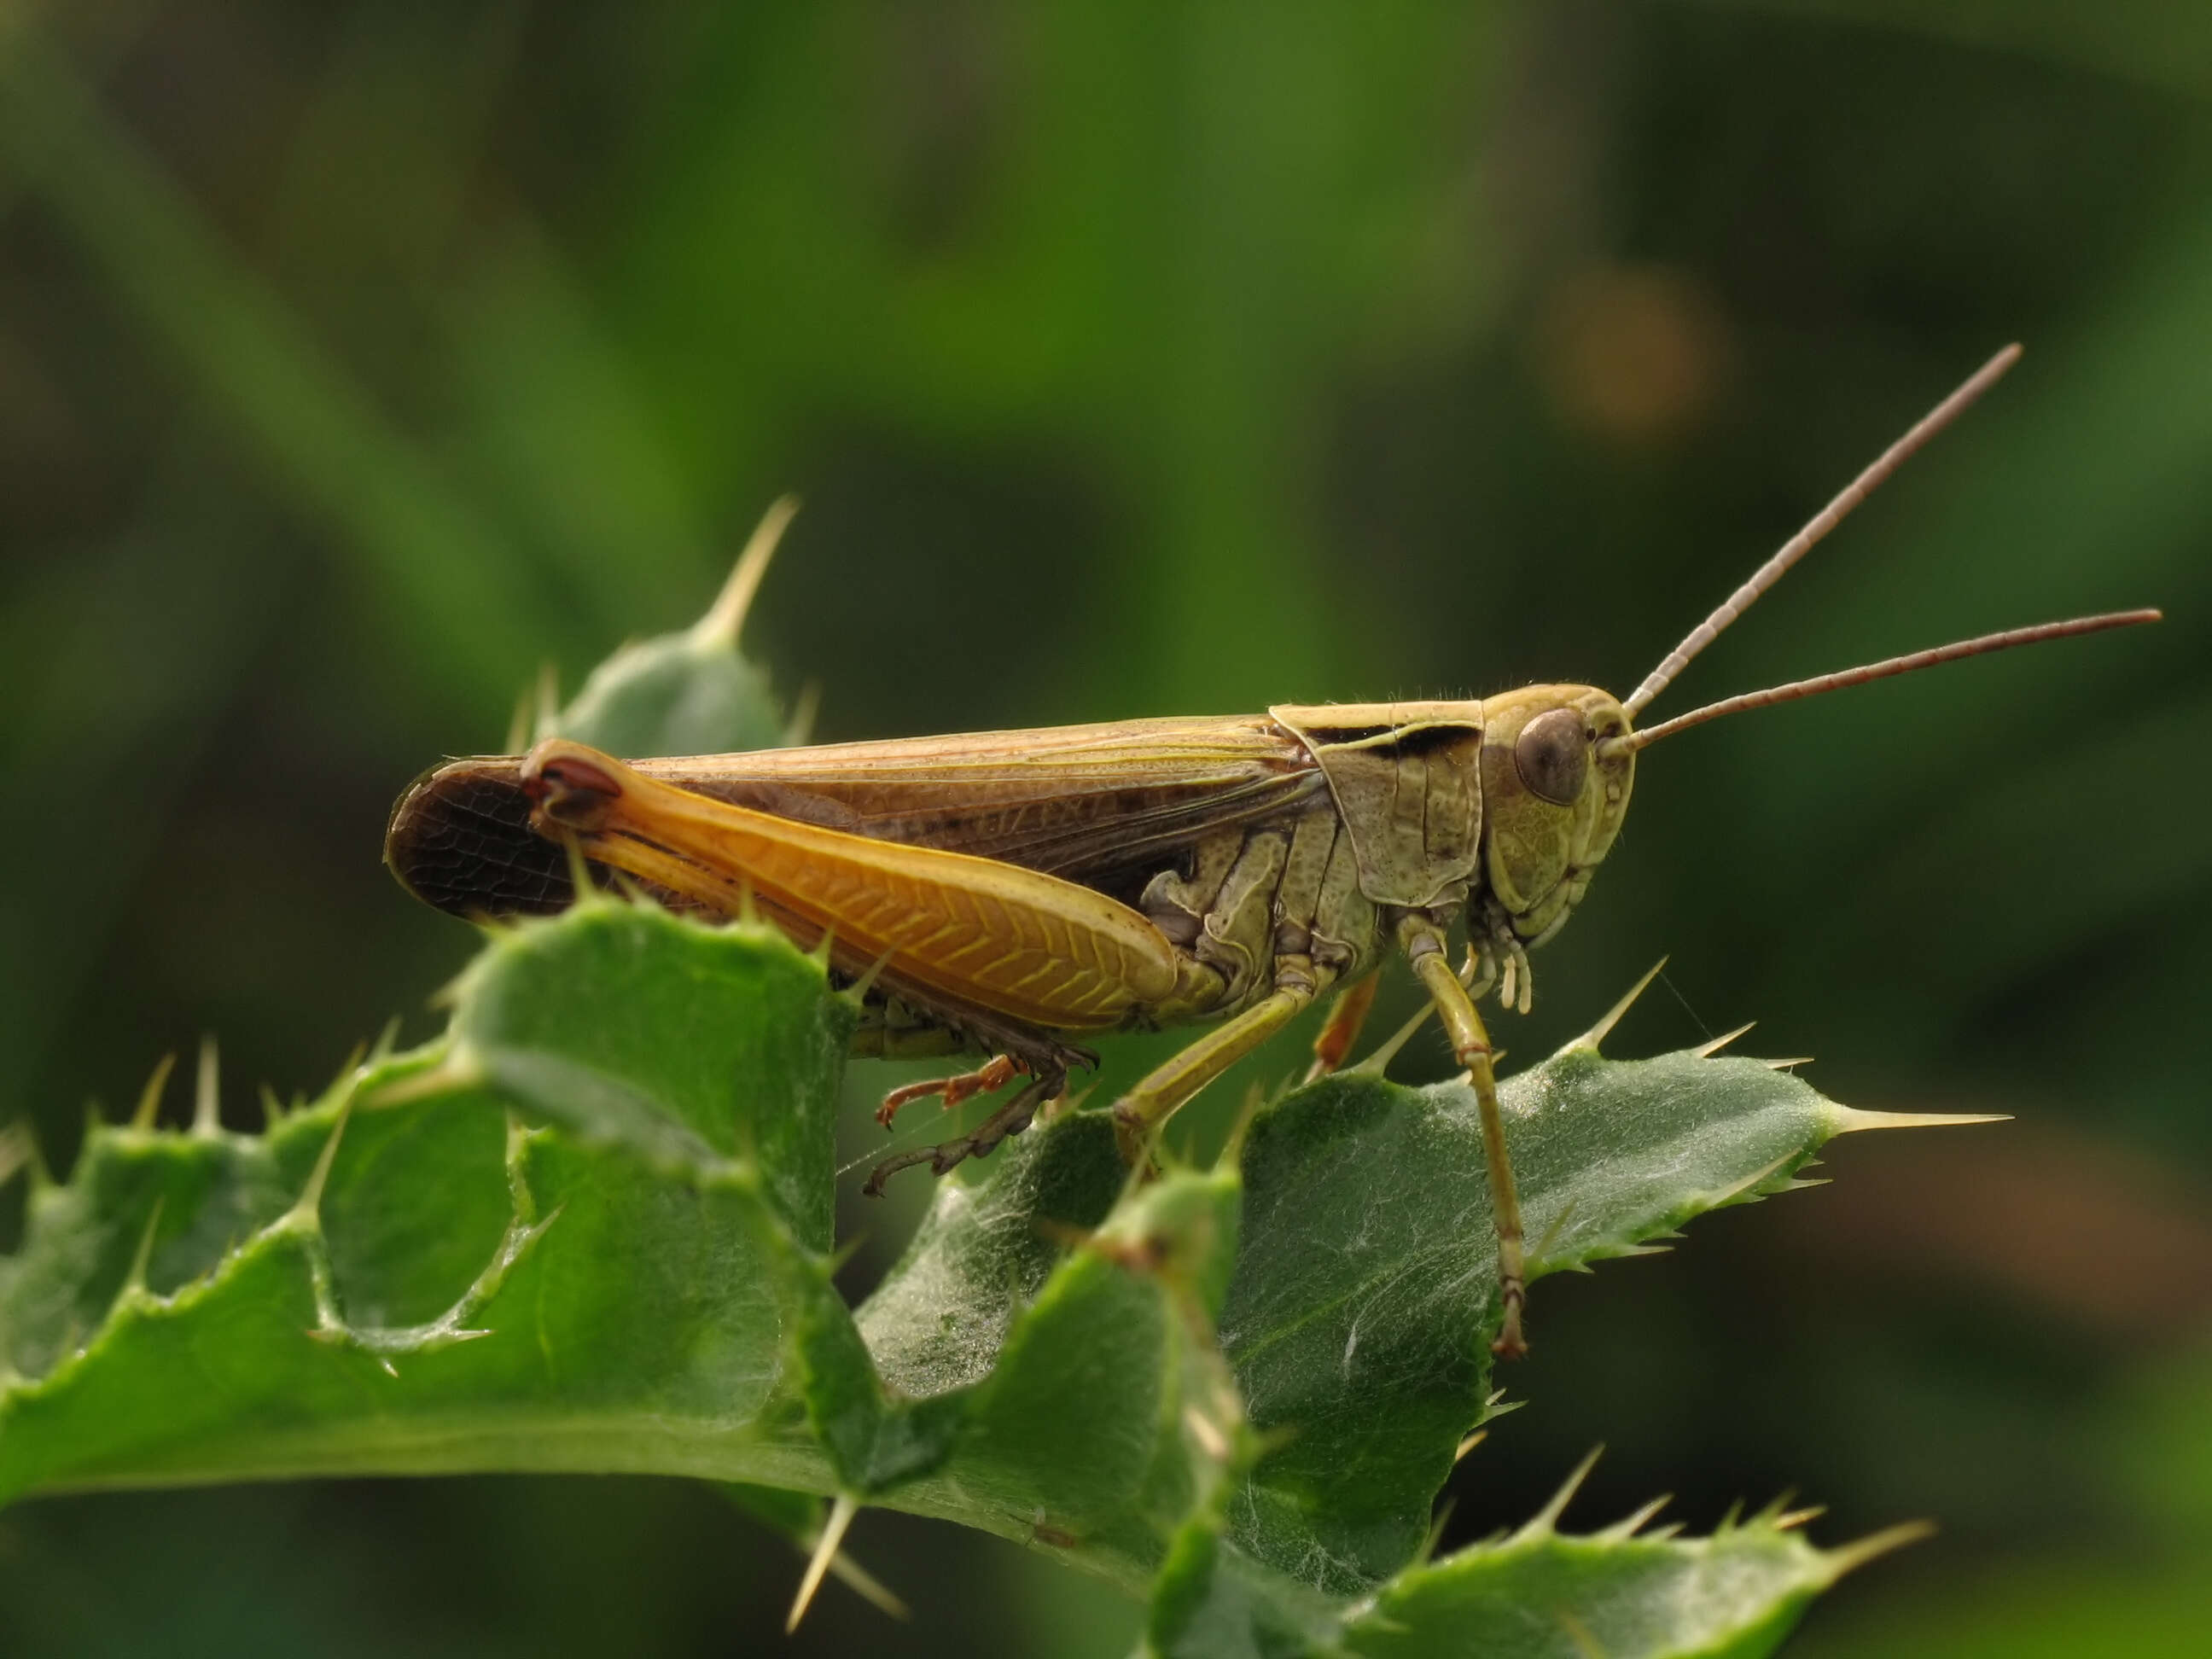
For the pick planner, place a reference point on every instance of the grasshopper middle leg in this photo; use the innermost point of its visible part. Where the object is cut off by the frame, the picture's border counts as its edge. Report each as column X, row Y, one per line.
column 1138, row 1114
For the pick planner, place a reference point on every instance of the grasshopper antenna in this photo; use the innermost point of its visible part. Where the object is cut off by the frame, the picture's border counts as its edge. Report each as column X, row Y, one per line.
column 1884, row 669
column 1822, row 522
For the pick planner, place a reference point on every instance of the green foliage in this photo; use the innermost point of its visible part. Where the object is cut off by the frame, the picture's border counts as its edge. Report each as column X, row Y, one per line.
column 1538, row 1592
column 692, row 692
column 589, row 1229
column 1367, row 1339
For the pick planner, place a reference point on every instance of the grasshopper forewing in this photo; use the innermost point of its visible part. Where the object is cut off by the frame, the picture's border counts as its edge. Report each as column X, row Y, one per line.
column 1014, row 894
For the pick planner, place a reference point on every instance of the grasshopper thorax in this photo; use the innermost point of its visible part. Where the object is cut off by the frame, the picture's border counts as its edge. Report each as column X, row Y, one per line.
column 1554, row 791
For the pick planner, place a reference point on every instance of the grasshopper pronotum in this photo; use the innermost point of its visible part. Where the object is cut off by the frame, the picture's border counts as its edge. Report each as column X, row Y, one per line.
column 1011, row 894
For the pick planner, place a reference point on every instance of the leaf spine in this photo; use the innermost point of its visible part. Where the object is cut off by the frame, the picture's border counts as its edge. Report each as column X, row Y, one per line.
column 726, row 618
column 1589, row 1041
column 1707, row 1050
column 134, row 1282
column 207, row 1093
column 1629, row 1525
column 149, row 1098
column 1850, row 1120
column 307, row 1210
column 1544, row 1521
column 825, row 1551
column 1851, row 1556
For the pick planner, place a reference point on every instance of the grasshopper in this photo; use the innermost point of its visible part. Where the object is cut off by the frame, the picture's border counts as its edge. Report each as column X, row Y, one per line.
column 1015, row 894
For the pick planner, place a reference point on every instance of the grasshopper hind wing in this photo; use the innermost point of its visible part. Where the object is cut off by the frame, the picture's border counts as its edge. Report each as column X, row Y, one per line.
column 460, row 840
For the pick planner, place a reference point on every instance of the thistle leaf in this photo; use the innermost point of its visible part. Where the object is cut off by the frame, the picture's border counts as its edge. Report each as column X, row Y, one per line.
column 589, row 1228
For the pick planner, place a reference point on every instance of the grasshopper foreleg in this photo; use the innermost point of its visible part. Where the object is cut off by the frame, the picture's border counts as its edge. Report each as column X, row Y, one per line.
column 987, row 1078
column 1423, row 940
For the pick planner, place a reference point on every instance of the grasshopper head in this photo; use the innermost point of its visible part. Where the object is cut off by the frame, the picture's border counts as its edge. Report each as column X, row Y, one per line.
column 1552, row 798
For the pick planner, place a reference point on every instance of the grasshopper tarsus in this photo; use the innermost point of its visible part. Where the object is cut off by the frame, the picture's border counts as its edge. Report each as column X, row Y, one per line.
column 989, row 1078
column 1510, row 1343
column 946, row 1155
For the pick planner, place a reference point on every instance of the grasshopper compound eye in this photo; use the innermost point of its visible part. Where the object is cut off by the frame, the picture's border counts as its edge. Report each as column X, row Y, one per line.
column 1553, row 756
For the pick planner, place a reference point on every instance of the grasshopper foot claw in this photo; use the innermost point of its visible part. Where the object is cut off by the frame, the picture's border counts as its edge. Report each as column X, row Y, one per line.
column 1511, row 1344
column 1010, row 1118
column 987, row 1078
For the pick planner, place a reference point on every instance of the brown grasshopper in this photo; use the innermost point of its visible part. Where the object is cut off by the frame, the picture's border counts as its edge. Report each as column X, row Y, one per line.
column 1014, row 894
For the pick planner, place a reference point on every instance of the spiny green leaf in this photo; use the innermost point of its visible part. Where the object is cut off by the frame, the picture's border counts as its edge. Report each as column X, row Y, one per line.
column 887, row 1393
column 623, row 1301
column 726, row 1045
column 1539, row 1593
column 599, row 1205
column 1737, row 1595
column 982, row 1252
column 668, row 696
column 1108, row 1403
column 589, row 1229
column 876, row 1437
column 178, row 1201
column 1360, row 1318
column 688, row 693
column 1211, row 1600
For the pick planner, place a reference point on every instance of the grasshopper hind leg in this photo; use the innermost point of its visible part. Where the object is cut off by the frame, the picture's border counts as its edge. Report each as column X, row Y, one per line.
column 989, row 1078
column 1045, row 1085
column 911, row 1026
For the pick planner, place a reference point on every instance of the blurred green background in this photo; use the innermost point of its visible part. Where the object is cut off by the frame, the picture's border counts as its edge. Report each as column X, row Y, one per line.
column 1135, row 359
